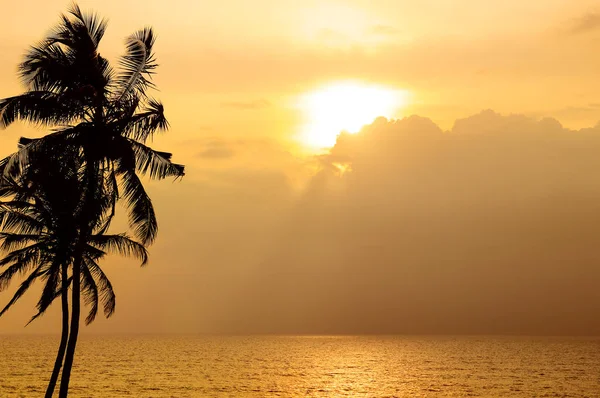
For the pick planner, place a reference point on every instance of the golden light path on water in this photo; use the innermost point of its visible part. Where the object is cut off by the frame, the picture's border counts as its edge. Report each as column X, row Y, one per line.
column 346, row 106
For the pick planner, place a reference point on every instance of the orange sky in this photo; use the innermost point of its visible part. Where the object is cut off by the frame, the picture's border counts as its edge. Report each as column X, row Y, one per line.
column 466, row 222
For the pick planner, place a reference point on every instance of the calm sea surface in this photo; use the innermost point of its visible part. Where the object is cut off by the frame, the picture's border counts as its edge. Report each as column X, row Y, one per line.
column 199, row 366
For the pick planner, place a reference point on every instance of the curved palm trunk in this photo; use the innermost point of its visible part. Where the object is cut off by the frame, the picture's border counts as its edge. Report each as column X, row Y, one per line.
column 84, row 232
column 74, row 332
column 64, row 333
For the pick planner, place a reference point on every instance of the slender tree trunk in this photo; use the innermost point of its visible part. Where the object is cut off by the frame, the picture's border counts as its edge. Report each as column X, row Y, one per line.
column 90, row 181
column 74, row 332
column 64, row 333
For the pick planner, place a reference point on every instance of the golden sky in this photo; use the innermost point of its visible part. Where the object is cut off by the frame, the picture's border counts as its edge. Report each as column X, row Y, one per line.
column 469, row 218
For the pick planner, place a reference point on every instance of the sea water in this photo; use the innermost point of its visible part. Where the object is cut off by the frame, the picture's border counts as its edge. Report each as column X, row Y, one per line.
column 308, row 366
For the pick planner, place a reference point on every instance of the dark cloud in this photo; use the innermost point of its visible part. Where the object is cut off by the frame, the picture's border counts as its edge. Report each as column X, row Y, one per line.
column 586, row 23
column 247, row 105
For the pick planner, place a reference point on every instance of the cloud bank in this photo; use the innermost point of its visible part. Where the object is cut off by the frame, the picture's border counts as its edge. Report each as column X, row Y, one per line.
column 490, row 227
column 587, row 23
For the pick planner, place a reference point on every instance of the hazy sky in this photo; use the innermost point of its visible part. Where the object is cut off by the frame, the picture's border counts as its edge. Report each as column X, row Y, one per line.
column 460, row 220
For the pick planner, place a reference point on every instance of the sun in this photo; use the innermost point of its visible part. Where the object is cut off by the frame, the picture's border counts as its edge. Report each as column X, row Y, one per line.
column 346, row 106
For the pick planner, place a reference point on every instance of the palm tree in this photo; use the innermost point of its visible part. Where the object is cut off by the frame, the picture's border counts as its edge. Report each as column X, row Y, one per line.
column 50, row 222
column 38, row 232
column 106, row 115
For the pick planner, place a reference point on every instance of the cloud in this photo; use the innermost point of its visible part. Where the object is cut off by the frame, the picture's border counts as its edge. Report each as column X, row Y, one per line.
column 216, row 153
column 588, row 113
column 526, row 66
column 491, row 226
column 587, row 23
column 471, row 230
column 247, row 105
column 216, row 149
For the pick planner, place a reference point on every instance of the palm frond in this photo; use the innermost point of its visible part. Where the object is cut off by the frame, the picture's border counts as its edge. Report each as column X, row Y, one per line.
column 38, row 107
column 109, row 197
column 12, row 241
column 47, row 68
column 120, row 244
column 89, row 292
column 94, row 25
column 107, row 294
column 136, row 66
column 37, row 215
column 146, row 123
column 52, row 279
column 74, row 42
column 14, row 165
column 80, row 33
column 27, row 254
column 8, row 185
column 157, row 164
column 20, row 222
column 142, row 218
column 21, row 265
column 45, row 304
column 22, row 289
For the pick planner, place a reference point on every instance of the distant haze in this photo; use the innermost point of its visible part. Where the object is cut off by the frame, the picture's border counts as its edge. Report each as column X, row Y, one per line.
column 466, row 221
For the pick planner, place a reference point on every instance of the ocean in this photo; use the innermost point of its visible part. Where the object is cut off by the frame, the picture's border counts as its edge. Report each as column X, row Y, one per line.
column 308, row 366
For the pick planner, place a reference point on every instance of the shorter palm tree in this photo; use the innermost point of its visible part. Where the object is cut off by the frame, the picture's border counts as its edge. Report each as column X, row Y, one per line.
column 38, row 233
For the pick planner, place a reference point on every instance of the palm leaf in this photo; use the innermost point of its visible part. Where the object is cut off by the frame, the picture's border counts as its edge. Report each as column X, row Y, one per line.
column 45, row 304
column 136, row 66
column 22, row 289
column 26, row 254
column 157, row 164
column 120, row 244
column 110, row 198
column 107, row 294
column 94, row 25
column 143, row 125
column 19, row 222
column 90, row 293
column 47, row 68
column 52, row 277
column 13, row 241
column 21, row 263
column 40, row 108
column 142, row 218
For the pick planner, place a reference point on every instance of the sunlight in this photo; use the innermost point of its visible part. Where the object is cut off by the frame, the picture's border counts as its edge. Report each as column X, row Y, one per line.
column 346, row 106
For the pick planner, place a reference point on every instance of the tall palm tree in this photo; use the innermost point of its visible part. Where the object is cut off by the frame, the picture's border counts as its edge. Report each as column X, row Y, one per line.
column 24, row 213
column 42, row 202
column 37, row 231
column 107, row 115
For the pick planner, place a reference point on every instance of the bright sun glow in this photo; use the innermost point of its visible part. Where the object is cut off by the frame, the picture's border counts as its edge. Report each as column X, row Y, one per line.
column 346, row 107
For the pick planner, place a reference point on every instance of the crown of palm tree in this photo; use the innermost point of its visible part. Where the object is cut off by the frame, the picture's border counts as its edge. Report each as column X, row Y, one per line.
column 105, row 113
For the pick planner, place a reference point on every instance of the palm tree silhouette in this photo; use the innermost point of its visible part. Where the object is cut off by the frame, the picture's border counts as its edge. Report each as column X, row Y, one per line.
column 107, row 116
column 38, row 232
